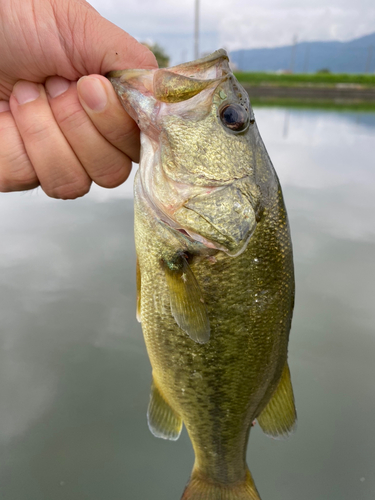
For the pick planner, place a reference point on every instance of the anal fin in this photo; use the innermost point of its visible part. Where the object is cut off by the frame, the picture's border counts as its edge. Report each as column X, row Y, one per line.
column 187, row 303
column 279, row 417
column 163, row 421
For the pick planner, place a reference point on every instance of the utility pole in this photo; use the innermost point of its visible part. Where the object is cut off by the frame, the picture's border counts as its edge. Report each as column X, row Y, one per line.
column 293, row 56
column 196, row 31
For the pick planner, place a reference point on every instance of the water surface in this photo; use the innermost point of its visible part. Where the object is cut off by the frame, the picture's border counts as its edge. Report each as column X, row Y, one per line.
column 74, row 374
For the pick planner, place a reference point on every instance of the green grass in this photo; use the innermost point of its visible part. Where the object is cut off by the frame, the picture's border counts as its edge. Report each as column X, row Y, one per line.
column 300, row 79
column 313, row 104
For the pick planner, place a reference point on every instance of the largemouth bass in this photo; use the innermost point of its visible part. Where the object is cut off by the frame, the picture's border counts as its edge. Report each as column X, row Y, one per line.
column 215, row 269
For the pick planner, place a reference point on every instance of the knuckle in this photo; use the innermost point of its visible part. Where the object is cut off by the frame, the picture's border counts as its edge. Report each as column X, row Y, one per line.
column 9, row 184
column 6, row 184
column 113, row 174
column 70, row 117
column 17, row 175
column 38, row 130
column 117, row 135
column 126, row 141
column 69, row 191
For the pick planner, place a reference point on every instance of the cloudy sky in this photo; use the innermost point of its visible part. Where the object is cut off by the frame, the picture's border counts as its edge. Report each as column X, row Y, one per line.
column 237, row 24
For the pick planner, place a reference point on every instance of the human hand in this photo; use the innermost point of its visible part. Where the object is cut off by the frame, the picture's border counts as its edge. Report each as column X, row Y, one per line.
column 54, row 131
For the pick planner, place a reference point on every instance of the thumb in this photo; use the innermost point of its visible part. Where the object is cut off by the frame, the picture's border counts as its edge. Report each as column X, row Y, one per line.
column 95, row 45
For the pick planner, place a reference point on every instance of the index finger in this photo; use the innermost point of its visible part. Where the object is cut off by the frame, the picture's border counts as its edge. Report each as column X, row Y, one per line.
column 102, row 105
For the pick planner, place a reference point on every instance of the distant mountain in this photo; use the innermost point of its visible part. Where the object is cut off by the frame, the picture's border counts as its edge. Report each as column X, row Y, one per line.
column 355, row 56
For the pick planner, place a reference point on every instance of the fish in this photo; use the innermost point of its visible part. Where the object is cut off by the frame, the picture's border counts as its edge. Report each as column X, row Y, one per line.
column 215, row 278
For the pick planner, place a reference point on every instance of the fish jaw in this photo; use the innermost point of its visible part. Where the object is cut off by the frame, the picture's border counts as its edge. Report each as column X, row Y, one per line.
column 190, row 185
column 141, row 91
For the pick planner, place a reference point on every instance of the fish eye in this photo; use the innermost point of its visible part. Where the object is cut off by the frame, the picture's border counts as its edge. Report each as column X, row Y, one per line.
column 234, row 117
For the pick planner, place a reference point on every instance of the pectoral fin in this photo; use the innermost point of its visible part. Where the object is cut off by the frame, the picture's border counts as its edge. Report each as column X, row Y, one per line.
column 279, row 417
column 163, row 421
column 187, row 304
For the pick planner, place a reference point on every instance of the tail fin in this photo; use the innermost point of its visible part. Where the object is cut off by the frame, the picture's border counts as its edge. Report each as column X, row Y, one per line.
column 202, row 488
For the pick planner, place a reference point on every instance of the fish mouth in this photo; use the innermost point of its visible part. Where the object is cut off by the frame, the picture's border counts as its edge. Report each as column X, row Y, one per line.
column 176, row 83
column 142, row 91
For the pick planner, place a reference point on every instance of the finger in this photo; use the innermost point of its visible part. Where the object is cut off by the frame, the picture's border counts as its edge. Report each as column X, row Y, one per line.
column 102, row 105
column 16, row 171
column 59, row 171
column 104, row 163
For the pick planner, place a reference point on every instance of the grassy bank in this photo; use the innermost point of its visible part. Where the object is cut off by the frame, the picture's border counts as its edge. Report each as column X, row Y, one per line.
column 317, row 79
column 368, row 107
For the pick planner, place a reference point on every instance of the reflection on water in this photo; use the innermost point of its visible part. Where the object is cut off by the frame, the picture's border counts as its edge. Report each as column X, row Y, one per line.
column 74, row 375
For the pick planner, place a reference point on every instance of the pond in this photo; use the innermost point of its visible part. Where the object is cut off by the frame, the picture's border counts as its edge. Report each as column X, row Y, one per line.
column 74, row 374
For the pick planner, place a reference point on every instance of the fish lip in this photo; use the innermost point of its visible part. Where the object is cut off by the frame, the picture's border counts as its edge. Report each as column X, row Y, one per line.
column 129, row 73
column 206, row 62
column 199, row 68
column 209, row 60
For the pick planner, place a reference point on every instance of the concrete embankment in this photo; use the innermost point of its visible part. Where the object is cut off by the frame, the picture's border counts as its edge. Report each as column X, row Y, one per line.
column 337, row 93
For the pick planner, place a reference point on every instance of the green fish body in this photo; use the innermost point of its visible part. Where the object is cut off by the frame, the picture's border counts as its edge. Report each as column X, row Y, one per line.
column 214, row 272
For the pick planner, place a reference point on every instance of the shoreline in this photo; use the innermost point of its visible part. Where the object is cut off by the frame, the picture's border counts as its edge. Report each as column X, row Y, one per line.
column 344, row 94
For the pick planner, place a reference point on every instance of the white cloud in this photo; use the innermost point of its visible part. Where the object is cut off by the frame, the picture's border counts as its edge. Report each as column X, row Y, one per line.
column 239, row 23
column 263, row 27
